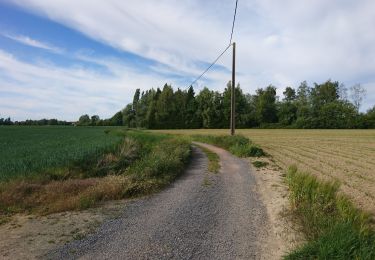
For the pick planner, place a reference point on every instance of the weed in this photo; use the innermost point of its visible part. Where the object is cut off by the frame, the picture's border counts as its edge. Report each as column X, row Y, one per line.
column 260, row 164
column 237, row 144
column 4, row 219
column 86, row 202
column 206, row 182
column 255, row 151
column 213, row 160
column 72, row 251
column 78, row 236
column 333, row 226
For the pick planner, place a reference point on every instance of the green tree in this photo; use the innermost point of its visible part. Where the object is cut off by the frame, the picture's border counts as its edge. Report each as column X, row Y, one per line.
column 250, row 115
column 324, row 93
column 94, row 120
column 337, row 114
column 136, row 98
column 287, row 111
column 266, row 105
column 180, row 110
column 241, row 107
column 367, row 120
column 128, row 116
column 165, row 108
column 193, row 119
column 289, row 94
column 323, row 106
column 303, row 93
column 151, row 111
column 143, row 106
column 210, row 106
column 303, row 103
column 116, row 120
column 84, row 120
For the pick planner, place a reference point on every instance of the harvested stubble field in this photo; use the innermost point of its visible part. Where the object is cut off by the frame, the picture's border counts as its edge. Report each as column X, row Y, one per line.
column 347, row 156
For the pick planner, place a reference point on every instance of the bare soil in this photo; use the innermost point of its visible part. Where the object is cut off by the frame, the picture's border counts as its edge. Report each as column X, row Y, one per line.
column 32, row 236
column 286, row 234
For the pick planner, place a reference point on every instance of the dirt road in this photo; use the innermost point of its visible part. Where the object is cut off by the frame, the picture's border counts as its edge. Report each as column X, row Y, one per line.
column 201, row 216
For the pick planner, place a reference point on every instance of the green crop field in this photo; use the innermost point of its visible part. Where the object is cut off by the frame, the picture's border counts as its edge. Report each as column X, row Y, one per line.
column 28, row 150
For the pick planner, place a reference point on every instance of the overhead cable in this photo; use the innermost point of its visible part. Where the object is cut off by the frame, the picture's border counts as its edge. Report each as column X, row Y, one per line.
column 221, row 54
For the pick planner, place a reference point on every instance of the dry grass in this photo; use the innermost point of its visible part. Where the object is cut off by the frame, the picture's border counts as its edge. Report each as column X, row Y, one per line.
column 119, row 174
column 58, row 196
column 347, row 156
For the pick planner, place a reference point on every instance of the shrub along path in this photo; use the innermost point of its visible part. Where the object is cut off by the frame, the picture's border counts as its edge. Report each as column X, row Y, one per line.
column 200, row 216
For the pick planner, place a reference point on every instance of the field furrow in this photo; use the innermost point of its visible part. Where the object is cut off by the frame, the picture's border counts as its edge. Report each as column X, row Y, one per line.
column 344, row 155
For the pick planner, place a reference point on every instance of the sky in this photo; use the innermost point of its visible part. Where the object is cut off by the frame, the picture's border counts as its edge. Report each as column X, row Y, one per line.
column 64, row 58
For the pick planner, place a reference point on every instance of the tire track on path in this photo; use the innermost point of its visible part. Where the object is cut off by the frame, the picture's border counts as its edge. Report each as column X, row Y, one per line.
column 187, row 220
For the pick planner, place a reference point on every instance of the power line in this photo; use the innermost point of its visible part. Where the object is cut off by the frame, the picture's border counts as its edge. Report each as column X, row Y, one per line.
column 209, row 67
column 221, row 54
column 234, row 20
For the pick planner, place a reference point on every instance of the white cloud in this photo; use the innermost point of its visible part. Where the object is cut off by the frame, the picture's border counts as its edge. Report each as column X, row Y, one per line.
column 43, row 90
column 278, row 42
column 33, row 43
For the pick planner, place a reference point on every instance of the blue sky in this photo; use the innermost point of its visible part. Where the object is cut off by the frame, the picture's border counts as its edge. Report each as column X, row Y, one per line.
column 61, row 59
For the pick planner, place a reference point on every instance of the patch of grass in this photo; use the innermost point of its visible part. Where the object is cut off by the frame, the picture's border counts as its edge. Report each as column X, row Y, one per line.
column 335, row 229
column 260, row 164
column 255, row 151
column 4, row 219
column 159, row 167
column 342, row 242
column 78, row 236
column 237, row 144
column 213, row 160
column 143, row 163
column 206, row 182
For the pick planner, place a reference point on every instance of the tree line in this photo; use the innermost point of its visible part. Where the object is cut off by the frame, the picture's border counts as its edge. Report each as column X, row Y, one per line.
column 325, row 105
column 8, row 121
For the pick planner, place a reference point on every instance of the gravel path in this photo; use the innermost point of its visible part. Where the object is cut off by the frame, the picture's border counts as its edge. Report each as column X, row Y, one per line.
column 201, row 216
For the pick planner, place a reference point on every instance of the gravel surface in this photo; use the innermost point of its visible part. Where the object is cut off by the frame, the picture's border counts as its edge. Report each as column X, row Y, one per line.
column 200, row 216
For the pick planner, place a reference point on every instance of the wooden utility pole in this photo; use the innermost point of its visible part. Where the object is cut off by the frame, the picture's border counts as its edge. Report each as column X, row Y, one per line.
column 233, row 94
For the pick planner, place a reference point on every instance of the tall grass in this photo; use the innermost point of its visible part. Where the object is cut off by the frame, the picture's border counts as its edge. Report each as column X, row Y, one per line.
column 237, row 144
column 335, row 229
column 141, row 164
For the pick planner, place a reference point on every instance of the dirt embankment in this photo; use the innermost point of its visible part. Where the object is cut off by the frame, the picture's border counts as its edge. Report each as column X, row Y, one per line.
column 286, row 232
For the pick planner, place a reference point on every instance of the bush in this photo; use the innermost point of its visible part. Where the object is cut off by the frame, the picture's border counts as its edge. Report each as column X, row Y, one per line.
column 256, row 151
